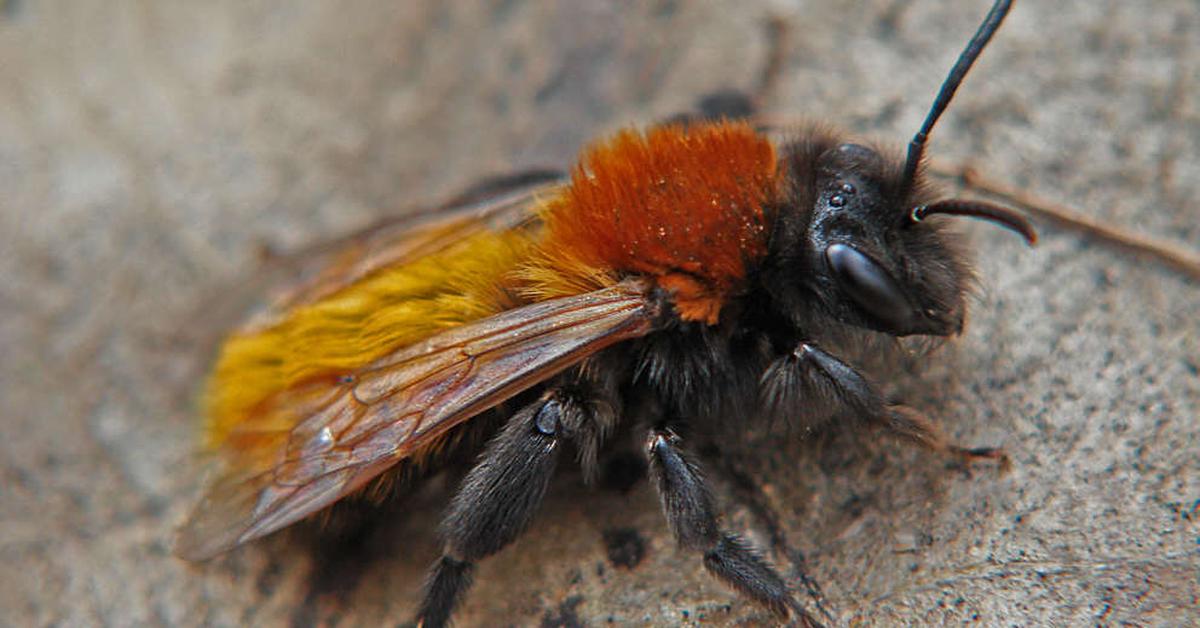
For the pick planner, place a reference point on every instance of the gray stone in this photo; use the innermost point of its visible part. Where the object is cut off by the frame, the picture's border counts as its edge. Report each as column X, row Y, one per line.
column 149, row 150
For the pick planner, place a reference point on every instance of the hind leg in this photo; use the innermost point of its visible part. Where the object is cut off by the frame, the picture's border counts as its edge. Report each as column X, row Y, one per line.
column 499, row 496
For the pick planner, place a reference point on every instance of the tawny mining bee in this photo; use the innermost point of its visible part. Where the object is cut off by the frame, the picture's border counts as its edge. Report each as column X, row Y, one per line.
column 694, row 273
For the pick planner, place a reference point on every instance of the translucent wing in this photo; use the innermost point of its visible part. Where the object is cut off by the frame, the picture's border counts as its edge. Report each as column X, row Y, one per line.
column 349, row 429
column 307, row 275
column 315, row 272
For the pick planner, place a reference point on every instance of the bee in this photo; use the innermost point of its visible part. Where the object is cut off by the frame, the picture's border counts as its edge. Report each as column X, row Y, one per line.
column 693, row 274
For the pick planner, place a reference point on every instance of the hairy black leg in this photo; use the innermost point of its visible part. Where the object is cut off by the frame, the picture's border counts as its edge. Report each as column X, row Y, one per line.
column 751, row 496
column 497, row 500
column 692, row 518
column 825, row 379
column 447, row 582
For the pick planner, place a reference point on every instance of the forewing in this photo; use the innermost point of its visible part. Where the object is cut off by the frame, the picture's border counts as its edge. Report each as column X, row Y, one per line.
column 320, row 270
column 350, row 429
column 304, row 276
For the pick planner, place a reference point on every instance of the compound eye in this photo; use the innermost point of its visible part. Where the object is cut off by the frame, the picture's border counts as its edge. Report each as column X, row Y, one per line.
column 870, row 286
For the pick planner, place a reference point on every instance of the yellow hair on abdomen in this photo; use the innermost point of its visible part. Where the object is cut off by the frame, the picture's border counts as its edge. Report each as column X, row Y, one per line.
column 361, row 323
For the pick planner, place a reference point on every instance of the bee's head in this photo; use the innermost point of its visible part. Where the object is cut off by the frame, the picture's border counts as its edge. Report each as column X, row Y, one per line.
column 852, row 235
column 872, row 259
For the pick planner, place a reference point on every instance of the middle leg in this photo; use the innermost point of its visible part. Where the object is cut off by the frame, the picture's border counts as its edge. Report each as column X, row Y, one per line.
column 693, row 520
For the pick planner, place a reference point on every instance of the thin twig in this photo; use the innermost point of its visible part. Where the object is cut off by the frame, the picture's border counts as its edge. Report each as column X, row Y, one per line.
column 1177, row 257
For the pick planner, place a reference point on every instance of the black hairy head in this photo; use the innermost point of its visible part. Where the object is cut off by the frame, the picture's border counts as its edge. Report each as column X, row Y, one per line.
column 850, row 236
column 845, row 243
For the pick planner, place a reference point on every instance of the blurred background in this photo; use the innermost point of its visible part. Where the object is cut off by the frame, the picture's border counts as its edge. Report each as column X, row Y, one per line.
column 150, row 152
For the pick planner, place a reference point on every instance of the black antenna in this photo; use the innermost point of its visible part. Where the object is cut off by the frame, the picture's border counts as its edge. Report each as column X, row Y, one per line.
column 978, row 209
column 916, row 148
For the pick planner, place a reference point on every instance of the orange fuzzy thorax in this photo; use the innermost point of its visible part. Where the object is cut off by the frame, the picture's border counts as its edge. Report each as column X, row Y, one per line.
column 683, row 206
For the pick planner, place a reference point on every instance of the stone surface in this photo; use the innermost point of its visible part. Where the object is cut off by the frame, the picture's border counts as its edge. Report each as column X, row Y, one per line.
column 148, row 151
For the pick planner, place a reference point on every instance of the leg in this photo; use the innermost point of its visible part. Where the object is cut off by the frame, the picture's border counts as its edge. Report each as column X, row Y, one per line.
column 828, row 383
column 498, row 498
column 751, row 496
column 693, row 521
column 907, row 423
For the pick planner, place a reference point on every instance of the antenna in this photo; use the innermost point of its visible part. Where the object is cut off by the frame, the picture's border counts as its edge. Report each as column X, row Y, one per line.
column 978, row 209
column 916, row 148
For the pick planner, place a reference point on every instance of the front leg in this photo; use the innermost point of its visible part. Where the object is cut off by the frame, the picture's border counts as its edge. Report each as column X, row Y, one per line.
column 692, row 518
column 812, row 378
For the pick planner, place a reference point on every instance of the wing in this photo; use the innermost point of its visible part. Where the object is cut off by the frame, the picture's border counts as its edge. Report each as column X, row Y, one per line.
column 305, row 276
column 320, row 270
column 349, row 429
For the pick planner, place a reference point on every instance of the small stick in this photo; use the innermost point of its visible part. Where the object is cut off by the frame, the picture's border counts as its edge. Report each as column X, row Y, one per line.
column 1183, row 260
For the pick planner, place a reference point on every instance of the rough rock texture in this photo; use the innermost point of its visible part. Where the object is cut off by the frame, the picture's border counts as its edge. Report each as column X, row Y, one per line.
column 148, row 151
